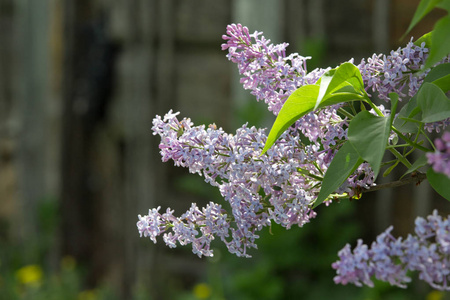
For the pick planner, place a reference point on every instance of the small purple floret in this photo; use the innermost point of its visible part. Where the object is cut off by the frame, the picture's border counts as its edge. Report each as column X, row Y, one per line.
column 389, row 259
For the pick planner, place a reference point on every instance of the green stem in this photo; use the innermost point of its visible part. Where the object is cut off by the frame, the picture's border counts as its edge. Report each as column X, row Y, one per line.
column 416, row 179
column 305, row 172
column 400, row 157
column 345, row 113
column 375, row 108
column 385, row 163
column 352, row 106
column 411, row 143
column 317, row 167
column 398, row 146
column 409, row 152
column 431, row 143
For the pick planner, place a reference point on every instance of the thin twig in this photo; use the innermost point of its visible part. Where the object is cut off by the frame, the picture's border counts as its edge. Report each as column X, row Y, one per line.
column 416, row 177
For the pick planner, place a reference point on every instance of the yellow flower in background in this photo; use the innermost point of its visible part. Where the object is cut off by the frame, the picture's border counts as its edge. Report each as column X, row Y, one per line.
column 30, row 275
column 202, row 291
column 68, row 263
column 87, row 295
column 435, row 295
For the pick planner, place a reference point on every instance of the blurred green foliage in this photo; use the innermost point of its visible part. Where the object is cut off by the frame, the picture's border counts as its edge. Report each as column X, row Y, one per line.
column 26, row 270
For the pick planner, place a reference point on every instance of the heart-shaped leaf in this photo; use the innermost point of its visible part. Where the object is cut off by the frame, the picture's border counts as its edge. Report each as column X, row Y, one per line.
column 440, row 76
column 344, row 163
column 420, row 162
column 408, row 120
column 434, row 104
column 440, row 40
column 369, row 134
column 299, row 103
column 342, row 84
column 439, row 182
column 425, row 6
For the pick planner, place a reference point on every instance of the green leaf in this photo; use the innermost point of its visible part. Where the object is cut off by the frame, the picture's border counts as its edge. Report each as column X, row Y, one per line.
column 416, row 112
column 394, row 103
column 437, row 72
column 324, row 83
column 345, row 85
column 440, row 41
column 434, row 104
column 408, row 119
column 342, row 84
column 445, row 4
column 412, row 121
column 299, row 103
column 424, row 38
column 440, row 76
column 346, row 75
column 389, row 170
column 440, row 183
column 443, row 83
column 425, row 6
column 420, row 162
column 344, row 163
column 409, row 125
column 369, row 134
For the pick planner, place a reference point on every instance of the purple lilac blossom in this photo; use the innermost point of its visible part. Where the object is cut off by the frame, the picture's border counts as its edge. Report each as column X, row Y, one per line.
column 440, row 159
column 279, row 186
column 399, row 72
column 437, row 126
column 196, row 226
column 259, row 189
column 385, row 74
column 267, row 72
column 273, row 77
column 389, row 259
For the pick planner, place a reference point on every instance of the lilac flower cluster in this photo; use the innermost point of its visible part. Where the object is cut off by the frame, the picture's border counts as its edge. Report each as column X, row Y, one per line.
column 196, row 227
column 272, row 77
column 385, row 74
column 266, row 70
column 389, row 259
column 281, row 185
column 400, row 72
column 259, row 189
column 440, row 159
column 437, row 126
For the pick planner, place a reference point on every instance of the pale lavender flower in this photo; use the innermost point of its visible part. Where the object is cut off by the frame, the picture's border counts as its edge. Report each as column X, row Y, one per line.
column 281, row 185
column 395, row 72
column 195, row 226
column 389, row 259
column 267, row 71
column 440, row 159
column 259, row 189
column 437, row 126
column 272, row 77
column 276, row 187
column 400, row 72
column 354, row 267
